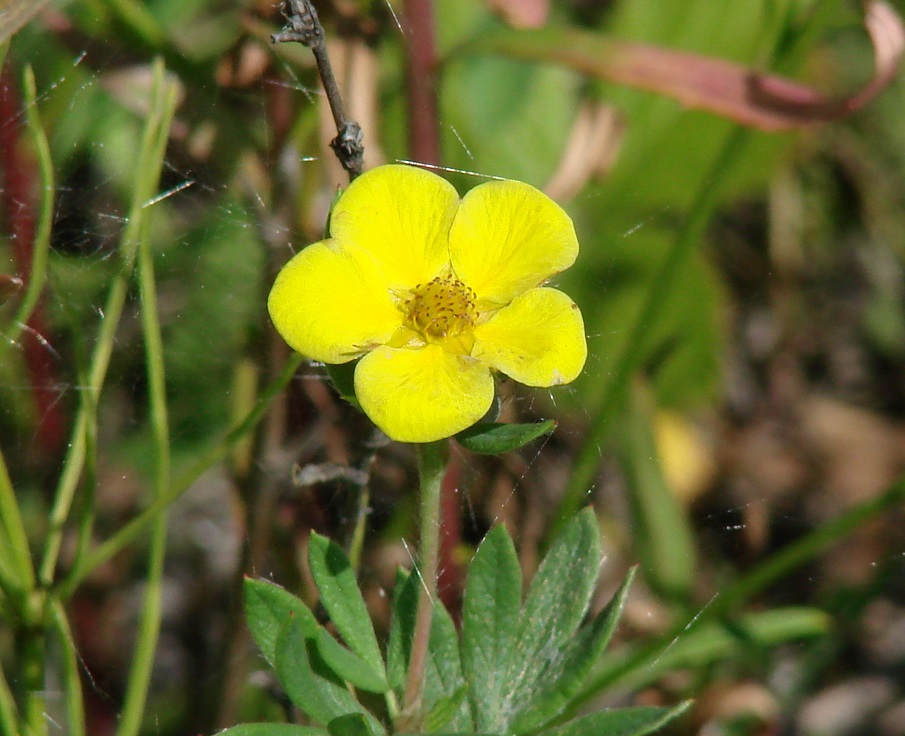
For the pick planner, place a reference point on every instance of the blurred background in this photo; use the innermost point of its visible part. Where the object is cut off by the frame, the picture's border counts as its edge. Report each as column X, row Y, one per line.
column 740, row 426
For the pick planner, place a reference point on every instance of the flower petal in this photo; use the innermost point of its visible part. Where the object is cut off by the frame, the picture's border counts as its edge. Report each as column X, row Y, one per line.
column 424, row 394
column 508, row 237
column 538, row 339
column 401, row 216
column 332, row 305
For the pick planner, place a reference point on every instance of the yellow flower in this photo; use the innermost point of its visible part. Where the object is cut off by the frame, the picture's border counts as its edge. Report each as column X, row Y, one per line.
column 433, row 293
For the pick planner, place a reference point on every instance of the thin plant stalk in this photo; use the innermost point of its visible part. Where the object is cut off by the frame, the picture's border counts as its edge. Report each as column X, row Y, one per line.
column 431, row 470
column 149, row 625
column 8, row 711
column 17, row 555
column 148, row 174
column 581, row 479
column 72, row 682
column 41, row 246
column 30, row 661
column 356, row 544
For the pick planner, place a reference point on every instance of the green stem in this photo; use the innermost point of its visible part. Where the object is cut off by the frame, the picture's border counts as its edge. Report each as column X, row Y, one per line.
column 130, row 531
column 30, row 658
column 150, row 161
column 8, row 711
column 582, row 478
column 17, row 555
column 356, row 544
column 41, row 246
column 149, row 626
column 431, row 469
column 72, row 683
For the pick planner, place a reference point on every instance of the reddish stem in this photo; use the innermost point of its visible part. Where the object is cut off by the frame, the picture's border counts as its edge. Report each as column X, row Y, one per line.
column 18, row 206
column 424, row 139
column 449, row 576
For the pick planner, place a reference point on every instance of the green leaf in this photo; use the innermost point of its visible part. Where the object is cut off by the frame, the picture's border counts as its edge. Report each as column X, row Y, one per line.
column 444, row 710
column 342, row 599
column 554, row 608
column 488, row 438
column 308, row 682
column 489, row 614
column 444, row 681
column 662, row 536
column 272, row 729
column 353, row 724
column 563, row 677
column 402, row 624
column 268, row 608
column 342, row 375
column 347, row 665
column 620, row 722
column 704, row 644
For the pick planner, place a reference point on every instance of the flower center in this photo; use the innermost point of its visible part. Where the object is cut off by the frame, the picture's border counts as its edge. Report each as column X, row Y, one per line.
column 443, row 307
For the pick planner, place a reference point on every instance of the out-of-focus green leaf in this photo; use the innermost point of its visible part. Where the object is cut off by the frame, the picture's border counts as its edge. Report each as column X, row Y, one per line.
column 16, row 13
column 740, row 93
column 662, row 536
column 637, row 666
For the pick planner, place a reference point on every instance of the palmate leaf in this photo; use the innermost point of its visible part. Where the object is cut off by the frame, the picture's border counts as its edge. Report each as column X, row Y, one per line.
column 308, row 681
column 341, row 597
column 489, row 614
column 555, row 606
column 349, row 666
column 444, row 686
column 620, row 722
column 268, row 608
column 272, row 729
column 564, row 676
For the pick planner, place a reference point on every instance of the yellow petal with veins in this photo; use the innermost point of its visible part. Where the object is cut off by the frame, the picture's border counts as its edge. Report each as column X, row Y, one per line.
column 422, row 394
column 508, row 237
column 401, row 216
column 332, row 305
column 538, row 339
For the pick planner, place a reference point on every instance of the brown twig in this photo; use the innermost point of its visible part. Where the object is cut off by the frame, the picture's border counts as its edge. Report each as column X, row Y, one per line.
column 304, row 27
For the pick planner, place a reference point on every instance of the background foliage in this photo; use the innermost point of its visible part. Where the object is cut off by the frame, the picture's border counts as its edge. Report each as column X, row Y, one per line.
column 744, row 462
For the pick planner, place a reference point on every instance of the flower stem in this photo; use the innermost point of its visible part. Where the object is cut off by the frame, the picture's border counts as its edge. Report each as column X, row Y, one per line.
column 431, row 469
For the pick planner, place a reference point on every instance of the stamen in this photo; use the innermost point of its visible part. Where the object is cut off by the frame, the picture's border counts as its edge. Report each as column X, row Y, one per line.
column 440, row 309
